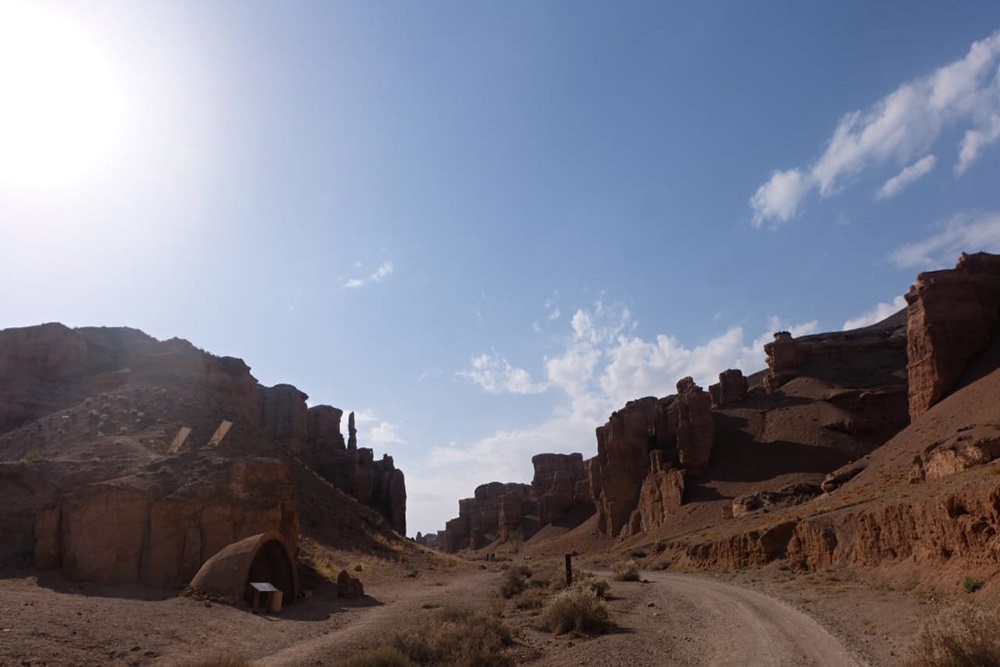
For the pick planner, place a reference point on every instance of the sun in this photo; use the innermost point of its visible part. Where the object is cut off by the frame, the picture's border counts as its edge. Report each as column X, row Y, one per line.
column 59, row 106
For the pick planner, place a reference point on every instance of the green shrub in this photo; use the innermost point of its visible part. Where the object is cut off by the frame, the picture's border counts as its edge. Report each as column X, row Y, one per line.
column 959, row 637
column 626, row 570
column 576, row 609
column 971, row 584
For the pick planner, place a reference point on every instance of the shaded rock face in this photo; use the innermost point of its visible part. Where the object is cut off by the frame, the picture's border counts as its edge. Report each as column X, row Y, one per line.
column 52, row 376
column 862, row 358
column 676, row 433
column 792, row 494
column 662, row 493
column 695, row 428
column 132, row 530
column 952, row 317
column 732, row 387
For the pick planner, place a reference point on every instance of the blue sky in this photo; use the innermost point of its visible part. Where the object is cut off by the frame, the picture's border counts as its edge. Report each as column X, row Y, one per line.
column 485, row 226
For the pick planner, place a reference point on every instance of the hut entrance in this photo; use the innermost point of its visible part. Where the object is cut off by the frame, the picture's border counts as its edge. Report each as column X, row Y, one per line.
column 271, row 565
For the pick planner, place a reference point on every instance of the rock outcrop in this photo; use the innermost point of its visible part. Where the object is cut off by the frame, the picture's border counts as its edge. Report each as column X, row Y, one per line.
column 732, row 387
column 952, row 317
column 559, row 492
column 679, row 428
column 791, row 494
column 135, row 530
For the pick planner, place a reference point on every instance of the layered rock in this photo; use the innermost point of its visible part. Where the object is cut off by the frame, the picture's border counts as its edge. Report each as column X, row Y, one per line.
column 134, row 530
column 952, row 316
column 866, row 357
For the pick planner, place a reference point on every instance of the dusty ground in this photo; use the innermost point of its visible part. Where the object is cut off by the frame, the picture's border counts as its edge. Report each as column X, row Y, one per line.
column 766, row 617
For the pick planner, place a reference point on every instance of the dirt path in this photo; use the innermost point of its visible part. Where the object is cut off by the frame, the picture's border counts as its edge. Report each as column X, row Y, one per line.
column 689, row 621
column 673, row 619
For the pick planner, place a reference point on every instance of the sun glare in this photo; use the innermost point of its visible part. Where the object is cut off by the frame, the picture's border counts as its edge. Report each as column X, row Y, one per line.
column 59, row 106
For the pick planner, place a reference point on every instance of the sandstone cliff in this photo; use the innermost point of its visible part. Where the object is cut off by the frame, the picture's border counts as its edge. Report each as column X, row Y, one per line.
column 953, row 316
column 558, row 492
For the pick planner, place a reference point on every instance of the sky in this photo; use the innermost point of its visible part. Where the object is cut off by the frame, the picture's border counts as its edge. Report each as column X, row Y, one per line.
column 485, row 226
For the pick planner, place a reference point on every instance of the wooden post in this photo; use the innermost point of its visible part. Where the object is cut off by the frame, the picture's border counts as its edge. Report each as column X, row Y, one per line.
column 569, row 570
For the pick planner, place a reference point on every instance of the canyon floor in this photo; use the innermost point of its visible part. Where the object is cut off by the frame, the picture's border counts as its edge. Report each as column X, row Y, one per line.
column 767, row 617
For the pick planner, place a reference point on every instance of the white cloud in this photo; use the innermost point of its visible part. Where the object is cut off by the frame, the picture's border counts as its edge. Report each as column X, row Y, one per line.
column 965, row 232
column 384, row 269
column 778, row 199
column 906, row 177
column 974, row 142
column 877, row 314
column 900, row 126
column 385, row 434
column 495, row 374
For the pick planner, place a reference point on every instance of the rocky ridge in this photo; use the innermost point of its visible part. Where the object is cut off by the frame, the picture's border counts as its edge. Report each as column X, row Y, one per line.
column 93, row 424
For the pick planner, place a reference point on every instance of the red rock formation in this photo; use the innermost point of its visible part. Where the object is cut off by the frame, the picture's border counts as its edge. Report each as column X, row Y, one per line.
column 623, row 461
column 732, row 387
column 662, row 493
column 952, row 316
column 559, row 492
column 782, row 361
column 695, row 428
column 132, row 530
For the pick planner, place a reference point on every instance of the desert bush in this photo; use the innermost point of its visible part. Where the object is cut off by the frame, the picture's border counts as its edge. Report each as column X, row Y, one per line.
column 971, row 584
column 514, row 581
column 626, row 570
column 599, row 586
column 383, row 656
column 576, row 609
column 959, row 637
column 221, row 661
column 460, row 637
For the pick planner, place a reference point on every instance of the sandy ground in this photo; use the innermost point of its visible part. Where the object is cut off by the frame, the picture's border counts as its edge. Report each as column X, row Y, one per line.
column 764, row 617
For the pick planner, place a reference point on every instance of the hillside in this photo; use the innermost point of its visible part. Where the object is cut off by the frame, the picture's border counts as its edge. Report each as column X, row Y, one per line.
column 113, row 470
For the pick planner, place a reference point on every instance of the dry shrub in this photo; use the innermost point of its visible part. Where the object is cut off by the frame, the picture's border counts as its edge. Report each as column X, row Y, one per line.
column 514, row 581
column 626, row 570
column 460, row 637
column 960, row 637
column 222, row 661
column 576, row 609
column 384, row 656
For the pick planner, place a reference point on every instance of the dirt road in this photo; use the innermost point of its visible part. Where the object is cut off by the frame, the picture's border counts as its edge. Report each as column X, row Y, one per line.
column 689, row 621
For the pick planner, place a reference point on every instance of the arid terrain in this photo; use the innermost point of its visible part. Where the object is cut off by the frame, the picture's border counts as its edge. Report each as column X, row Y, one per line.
column 820, row 512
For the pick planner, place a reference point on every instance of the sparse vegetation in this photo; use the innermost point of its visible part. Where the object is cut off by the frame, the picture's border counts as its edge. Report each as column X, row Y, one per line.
column 960, row 637
column 221, row 661
column 971, row 584
column 514, row 581
column 577, row 609
column 626, row 570
column 383, row 656
column 458, row 636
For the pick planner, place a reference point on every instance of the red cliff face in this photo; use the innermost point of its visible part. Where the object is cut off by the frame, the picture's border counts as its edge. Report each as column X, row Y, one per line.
column 952, row 316
column 643, row 453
